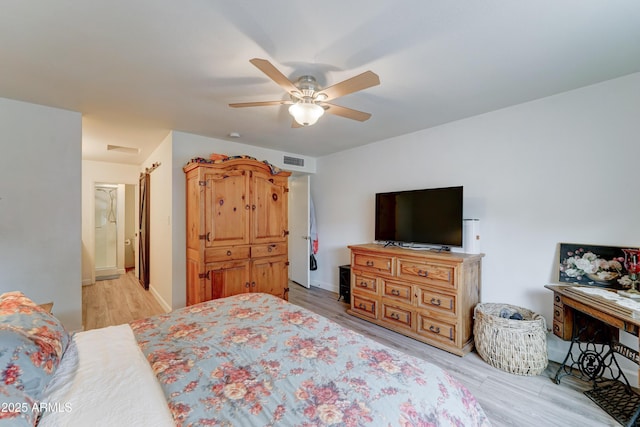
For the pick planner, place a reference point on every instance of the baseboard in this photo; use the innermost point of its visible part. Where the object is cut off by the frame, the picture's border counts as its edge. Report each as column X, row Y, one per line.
column 166, row 307
column 86, row 282
column 326, row 286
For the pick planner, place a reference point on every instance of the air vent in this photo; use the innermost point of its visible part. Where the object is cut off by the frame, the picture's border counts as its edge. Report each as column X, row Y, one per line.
column 123, row 149
column 293, row 161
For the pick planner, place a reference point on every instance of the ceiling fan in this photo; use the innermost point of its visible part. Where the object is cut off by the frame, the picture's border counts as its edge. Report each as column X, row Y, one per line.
column 308, row 101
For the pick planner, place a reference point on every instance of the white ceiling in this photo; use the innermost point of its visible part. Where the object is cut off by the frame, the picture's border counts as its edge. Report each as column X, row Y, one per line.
column 136, row 69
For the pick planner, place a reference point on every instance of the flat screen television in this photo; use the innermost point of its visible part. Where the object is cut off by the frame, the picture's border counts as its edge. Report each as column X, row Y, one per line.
column 430, row 217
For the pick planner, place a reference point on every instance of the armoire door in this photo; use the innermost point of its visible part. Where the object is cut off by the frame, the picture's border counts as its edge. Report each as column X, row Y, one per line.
column 227, row 208
column 268, row 208
column 226, row 279
column 271, row 276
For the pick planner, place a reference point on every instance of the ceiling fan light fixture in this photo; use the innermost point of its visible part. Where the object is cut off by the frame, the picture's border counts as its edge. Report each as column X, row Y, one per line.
column 306, row 113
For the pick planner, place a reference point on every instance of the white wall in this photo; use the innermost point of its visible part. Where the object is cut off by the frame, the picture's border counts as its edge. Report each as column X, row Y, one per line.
column 559, row 169
column 161, row 226
column 40, row 251
column 92, row 172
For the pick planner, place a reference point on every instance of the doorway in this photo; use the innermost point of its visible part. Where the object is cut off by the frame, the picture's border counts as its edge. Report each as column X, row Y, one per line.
column 106, row 240
column 114, row 251
column 299, row 243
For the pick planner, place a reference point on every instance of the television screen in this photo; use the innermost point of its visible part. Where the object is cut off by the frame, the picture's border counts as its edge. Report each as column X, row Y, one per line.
column 430, row 216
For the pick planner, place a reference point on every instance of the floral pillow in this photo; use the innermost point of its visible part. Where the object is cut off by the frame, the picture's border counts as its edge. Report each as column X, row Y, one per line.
column 17, row 408
column 32, row 343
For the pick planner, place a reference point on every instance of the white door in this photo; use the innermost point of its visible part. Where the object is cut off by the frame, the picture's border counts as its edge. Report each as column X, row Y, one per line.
column 299, row 199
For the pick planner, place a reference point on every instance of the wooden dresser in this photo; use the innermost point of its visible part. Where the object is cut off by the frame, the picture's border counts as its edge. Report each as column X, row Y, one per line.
column 237, row 229
column 426, row 295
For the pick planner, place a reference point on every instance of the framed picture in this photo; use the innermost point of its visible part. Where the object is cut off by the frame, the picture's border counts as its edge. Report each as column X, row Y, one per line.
column 602, row 266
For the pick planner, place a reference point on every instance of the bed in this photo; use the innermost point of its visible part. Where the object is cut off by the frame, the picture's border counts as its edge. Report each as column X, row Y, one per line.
column 251, row 360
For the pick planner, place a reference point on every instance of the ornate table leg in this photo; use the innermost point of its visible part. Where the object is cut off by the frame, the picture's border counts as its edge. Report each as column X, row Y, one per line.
column 591, row 339
column 597, row 344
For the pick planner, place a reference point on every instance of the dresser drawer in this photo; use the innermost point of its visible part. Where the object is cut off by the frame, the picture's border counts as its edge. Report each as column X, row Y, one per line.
column 365, row 306
column 442, row 303
column 226, row 253
column 397, row 316
column 435, row 328
column 271, row 249
column 362, row 283
column 373, row 263
column 425, row 272
column 397, row 291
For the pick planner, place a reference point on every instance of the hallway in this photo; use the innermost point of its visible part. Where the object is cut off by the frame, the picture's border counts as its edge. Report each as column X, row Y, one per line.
column 118, row 301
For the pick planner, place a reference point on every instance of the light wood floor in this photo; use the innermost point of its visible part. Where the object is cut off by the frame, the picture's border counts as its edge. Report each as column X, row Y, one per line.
column 508, row 400
column 118, row 301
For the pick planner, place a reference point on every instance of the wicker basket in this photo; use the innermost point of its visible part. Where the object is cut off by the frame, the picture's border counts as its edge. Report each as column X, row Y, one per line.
column 515, row 346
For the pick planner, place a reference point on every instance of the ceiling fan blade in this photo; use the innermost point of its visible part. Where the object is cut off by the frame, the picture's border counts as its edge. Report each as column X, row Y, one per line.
column 274, row 74
column 348, row 113
column 354, row 84
column 259, row 104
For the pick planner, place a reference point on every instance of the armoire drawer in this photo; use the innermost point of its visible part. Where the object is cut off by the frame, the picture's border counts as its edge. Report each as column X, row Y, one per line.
column 373, row 263
column 226, row 253
column 426, row 272
column 271, row 249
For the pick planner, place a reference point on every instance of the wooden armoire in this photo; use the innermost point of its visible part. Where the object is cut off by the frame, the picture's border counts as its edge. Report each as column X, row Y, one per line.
column 237, row 229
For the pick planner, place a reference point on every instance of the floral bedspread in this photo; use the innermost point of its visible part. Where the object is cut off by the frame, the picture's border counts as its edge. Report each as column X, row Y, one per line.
column 258, row 360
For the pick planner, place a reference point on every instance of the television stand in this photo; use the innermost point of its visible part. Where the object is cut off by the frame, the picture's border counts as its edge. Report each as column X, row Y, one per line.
column 425, row 295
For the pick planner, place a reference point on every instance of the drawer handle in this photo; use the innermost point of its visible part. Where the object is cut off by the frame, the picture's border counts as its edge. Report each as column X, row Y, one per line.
column 434, row 329
column 436, row 301
column 557, row 313
column 364, row 285
column 362, row 306
column 253, row 284
column 395, row 292
column 269, row 249
column 556, row 328
column 395, row 316
column 369, row 263
column 423, row 273
column 246, row 285
column 228, row 253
